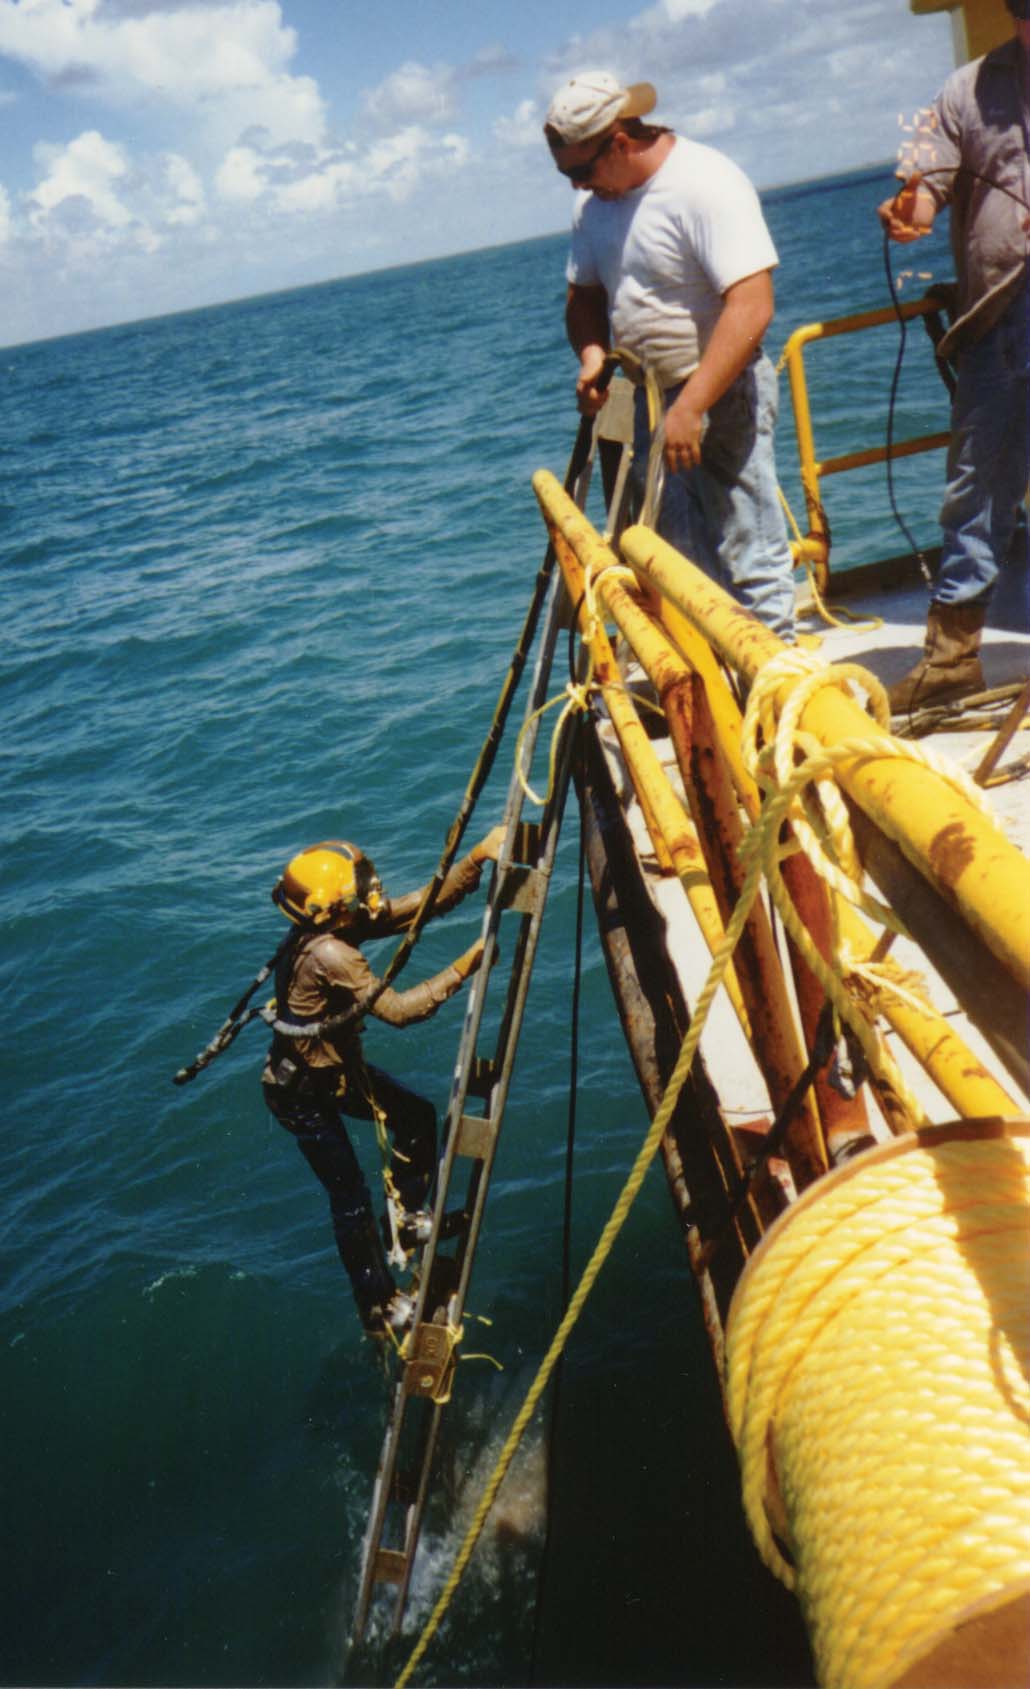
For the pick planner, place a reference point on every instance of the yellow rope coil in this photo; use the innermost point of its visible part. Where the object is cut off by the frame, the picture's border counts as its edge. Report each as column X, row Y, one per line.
column 878, row 1354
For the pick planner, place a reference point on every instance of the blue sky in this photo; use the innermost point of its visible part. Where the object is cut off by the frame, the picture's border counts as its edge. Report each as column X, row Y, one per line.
column 161, row 154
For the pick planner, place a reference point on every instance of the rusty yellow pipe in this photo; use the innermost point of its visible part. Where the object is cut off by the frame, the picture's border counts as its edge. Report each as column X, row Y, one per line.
column 947, row 1059
column 776, row 1044
column 672, row 832
column 673, row 846
column 959, row 1075
column 958, row 850
column 723, row 705
column 878, row 454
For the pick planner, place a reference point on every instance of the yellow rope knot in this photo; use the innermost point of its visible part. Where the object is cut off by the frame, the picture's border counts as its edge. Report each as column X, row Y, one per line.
column 576, row 695
column 806, row 795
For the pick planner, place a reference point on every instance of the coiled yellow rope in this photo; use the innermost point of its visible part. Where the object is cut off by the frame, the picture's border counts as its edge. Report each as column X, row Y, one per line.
column 878, row 1352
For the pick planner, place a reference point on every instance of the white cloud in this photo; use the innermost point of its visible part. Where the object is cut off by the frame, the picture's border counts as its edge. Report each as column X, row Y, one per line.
column 413, row 94
column 524, row 128
column 5, row 216
column 320, row 190
column 701, row 122
column 241, row 175
column 187, row 190
column 316, row 181
column 84, row 172
column 226, row 63
column 395, row 162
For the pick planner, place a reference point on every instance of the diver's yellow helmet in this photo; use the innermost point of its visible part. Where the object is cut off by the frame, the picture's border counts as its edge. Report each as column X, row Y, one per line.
column 326, row 882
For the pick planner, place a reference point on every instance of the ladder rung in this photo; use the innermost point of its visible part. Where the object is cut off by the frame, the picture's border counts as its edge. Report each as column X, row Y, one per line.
column 522, row 889
column 391, row 1565
column 476, row 1134
column 430, row 1362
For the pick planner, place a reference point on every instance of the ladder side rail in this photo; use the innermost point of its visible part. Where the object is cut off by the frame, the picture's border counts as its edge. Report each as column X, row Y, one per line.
column 372, row 1542
column 556, row 621
column 414, row 1513
column 484, row 1166
column 382, row 1496
column 506, row 1056
column 480, row 985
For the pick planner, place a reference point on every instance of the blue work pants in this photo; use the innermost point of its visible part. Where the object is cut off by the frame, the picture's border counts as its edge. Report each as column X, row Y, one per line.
column 725, row 513
column 988, row 458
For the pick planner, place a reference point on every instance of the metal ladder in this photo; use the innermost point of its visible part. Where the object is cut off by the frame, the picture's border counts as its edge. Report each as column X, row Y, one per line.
column 519, row 884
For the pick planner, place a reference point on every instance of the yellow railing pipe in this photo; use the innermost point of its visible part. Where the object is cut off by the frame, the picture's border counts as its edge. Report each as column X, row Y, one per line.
column 958, row 849
column 775, row 1039
column 577, row 545
column 959, row 1075
column 957, row 1072
column 815, row 546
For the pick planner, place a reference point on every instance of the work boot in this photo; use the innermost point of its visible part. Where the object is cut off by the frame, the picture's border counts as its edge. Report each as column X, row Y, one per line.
column 950, row 664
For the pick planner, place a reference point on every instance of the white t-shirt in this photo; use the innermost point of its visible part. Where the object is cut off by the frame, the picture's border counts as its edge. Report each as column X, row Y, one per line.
column 666, row 253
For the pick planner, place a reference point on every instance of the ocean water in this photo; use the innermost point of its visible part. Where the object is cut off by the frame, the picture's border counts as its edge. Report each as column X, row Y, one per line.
column 262, row 568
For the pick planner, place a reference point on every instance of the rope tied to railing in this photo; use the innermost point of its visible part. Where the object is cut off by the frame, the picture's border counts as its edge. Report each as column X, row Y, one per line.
column 577, row 695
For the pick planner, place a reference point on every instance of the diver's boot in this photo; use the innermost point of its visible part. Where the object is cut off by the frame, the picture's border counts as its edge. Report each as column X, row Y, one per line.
column 950, row 665
column 416, row 1229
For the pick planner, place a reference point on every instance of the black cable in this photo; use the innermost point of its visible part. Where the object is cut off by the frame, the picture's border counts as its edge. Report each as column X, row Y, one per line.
column 235, row 1020
column 915, row 549
column 566, row 1260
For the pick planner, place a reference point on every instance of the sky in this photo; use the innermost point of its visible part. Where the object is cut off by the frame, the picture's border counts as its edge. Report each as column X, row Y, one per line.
column 163, row 154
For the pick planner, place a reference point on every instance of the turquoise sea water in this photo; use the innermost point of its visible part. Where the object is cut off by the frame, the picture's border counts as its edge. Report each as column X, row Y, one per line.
column 262, row 567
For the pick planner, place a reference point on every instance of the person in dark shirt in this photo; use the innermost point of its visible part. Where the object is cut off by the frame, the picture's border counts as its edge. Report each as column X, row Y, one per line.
column 971, row 155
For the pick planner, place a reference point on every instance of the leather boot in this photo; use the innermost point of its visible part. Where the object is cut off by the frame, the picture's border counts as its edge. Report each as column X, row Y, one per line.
column 950, row 664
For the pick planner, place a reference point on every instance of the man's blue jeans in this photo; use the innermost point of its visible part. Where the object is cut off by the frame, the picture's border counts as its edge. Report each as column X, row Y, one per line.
column 725, row 514
column 988, row 458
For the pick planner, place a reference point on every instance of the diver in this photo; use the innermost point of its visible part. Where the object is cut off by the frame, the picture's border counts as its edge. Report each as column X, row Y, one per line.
column 332, row 894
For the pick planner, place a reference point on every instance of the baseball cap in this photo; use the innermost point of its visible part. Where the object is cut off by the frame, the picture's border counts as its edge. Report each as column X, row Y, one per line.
column 591, row 102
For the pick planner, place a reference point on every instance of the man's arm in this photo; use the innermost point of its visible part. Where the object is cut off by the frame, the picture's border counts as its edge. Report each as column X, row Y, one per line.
column 747, row 309
column 586, row 324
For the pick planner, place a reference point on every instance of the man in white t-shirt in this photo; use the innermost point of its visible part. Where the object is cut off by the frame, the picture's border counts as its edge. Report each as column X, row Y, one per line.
column 671, row 260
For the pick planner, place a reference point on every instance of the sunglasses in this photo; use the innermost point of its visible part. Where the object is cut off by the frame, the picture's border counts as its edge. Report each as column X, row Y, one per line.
column 578, row 174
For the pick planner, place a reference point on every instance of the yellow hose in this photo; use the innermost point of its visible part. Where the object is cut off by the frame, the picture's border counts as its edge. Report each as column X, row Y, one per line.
column 878, row 1356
